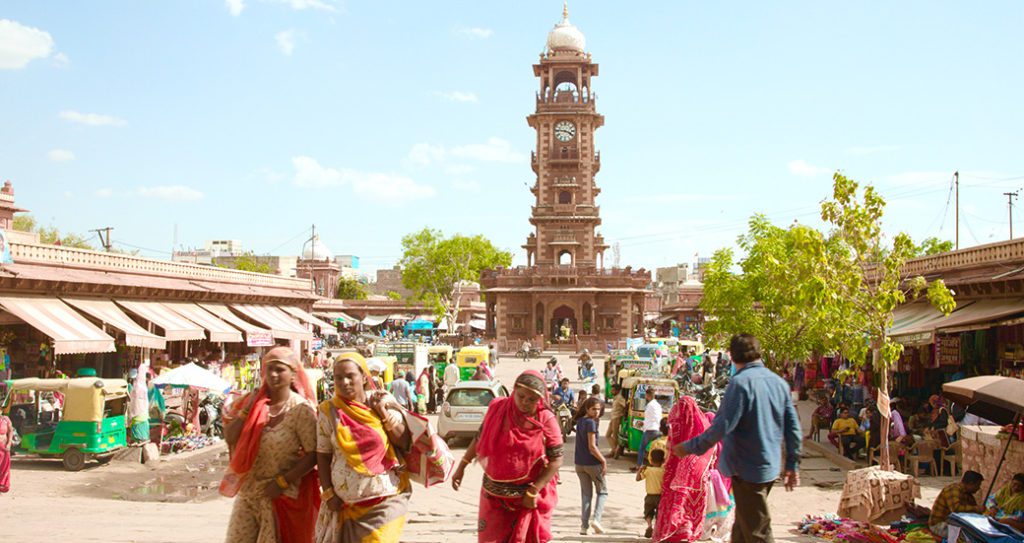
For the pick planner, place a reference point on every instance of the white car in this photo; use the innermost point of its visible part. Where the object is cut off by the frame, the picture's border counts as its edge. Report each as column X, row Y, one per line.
column 463, row 409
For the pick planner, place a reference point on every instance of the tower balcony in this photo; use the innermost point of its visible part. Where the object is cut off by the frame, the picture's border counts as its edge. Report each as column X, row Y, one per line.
column 566, row 102
column 533, row 162
column 597, row 161
column 563, row 211
column 565, row 238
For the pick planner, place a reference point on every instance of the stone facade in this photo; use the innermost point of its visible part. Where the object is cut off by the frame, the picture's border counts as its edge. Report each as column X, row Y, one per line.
column 564, row 286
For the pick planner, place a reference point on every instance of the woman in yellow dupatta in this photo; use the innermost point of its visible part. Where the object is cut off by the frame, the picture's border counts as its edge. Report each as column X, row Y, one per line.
column 365, row 494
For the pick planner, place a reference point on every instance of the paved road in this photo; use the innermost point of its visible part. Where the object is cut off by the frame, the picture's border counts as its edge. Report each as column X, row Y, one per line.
column 101, row 504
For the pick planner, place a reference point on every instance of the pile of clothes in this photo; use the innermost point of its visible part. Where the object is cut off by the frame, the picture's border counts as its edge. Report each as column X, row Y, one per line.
column 179, row 444
column 835, row 528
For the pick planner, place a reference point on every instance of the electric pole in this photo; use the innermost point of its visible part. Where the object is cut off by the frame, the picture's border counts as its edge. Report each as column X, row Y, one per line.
column 956, row 178
column 1009, row 200
column 104, row 239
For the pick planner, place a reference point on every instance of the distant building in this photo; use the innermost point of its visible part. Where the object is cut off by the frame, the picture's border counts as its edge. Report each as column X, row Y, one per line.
column 700, row 268
column 226, row 247
column 667, row 282
column 317, row 263
column 279, row 265
column 390, row 281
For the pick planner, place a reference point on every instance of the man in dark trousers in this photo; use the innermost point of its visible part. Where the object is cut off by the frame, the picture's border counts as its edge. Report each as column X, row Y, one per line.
column 757, row 414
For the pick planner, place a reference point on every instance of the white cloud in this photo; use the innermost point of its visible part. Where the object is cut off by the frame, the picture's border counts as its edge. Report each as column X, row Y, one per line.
column 235, row 7
column 458, row 96
column 92, row 119
column 61, row 60
column 459, row 169
column 495, row 150
column 60, row 155
column 803, row 169
column 425, row 154
column 466, row 185
column 269, row 175
column 321, row 5
column 286, row 41
column 68, row 194
column 477, row 32
column 173, row 193
column 21, row 44
column 871, row 149
column 381, row 187
column 104, row 193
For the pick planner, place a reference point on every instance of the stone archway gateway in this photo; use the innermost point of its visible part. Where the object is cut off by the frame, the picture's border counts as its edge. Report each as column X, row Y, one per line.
column 563, row 319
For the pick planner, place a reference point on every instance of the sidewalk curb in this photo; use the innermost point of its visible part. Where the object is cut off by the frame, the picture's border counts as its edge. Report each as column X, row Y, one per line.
column 831, row 455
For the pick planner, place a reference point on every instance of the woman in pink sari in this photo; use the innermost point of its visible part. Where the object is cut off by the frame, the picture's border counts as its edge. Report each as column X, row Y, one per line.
column 520, row 449
column 6, row 444
column 685, row 489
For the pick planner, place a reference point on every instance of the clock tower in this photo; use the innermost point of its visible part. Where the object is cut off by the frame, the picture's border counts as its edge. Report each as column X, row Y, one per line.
column 565, row 216
column 564, row 298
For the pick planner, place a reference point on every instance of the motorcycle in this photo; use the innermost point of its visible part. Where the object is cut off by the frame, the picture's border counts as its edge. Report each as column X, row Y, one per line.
column 564, row 419
column 533, row 352
column 210, row 422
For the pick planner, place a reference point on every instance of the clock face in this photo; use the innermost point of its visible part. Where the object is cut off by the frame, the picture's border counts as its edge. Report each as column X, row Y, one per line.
column 565, row 130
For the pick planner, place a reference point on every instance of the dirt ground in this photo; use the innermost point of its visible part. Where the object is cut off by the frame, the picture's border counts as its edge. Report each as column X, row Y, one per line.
column 176, row 501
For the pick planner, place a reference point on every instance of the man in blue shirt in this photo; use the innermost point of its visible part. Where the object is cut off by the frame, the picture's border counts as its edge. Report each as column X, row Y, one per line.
column 563, row 394
column 757, row 413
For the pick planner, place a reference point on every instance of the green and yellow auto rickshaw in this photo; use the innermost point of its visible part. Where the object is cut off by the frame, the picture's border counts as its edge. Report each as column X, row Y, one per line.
column 440, row 356
column 469, row 358
column 666, row 392
column 90, row 425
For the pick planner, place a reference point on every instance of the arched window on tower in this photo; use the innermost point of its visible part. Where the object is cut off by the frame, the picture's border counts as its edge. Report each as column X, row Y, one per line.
column 565, row 197
column 565, row 258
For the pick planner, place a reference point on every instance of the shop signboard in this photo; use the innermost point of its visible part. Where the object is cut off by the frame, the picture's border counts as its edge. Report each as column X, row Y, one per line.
column 259, row 339
column 318, row 344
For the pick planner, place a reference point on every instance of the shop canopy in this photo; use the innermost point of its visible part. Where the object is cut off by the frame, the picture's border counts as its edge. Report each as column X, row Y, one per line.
column 224, row 313
column 176, row 327
column 914, row 324
column 219, row 330
column 326, row 328
column 281, row 324
column 398, row 317
column 980, row 315
column 346, row 320
column 71, row 332
column 194, row 376
column 478, row 324
column 374, row 320
column 108, row 312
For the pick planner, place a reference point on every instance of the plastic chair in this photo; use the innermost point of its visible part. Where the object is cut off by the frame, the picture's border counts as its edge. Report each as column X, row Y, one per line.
column 954, row 460
column 923, row 454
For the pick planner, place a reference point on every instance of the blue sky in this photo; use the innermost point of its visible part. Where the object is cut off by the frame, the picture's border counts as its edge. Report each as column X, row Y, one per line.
column 253, row 119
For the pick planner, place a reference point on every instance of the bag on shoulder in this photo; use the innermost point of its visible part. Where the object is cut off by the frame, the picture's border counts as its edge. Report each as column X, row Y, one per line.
column 429, row 460
column 951, row 426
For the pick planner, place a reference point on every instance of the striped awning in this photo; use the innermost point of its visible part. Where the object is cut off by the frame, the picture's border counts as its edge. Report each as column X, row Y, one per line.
column 225, row 314
column 108, row 312
column 218, row 329
column 176, row 327
column 326, row 328
column 374, row 320
column 281, row 324
column 71, row 332
column 337, row 316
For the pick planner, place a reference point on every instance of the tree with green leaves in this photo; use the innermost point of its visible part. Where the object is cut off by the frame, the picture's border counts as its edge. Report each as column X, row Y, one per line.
column 350, row 288
column 932, row 246
column 437, row 269
column 50, row 234
column 873, row 288
column 781, row 291
column 248, row 261
column 392, row 295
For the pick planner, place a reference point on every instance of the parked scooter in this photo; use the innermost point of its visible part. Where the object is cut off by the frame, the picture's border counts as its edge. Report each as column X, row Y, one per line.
column 564, row 419
column 210, row 422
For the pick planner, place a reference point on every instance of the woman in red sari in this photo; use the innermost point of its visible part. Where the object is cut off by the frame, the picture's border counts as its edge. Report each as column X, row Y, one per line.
column 6, row 444
column 685, row 488
column 271, row 436
column 520, row 449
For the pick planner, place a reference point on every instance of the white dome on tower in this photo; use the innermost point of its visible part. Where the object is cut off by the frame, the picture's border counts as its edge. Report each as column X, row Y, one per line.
column 316, row 250
column 566, row 37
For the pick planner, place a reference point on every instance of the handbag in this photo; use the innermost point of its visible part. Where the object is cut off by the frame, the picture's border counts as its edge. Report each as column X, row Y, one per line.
column 429, row 460
column 951, row 426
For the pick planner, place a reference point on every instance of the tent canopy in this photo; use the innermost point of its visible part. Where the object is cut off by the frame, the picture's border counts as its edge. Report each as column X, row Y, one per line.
column 71, row 332
column 192, row 375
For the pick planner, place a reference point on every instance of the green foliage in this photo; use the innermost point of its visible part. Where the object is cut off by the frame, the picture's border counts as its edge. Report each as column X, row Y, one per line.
column 932, row 246
column 248, row 261
column 50, row 234
column 871, row 286
column 349, row 288
column 436, row 268
column 392, row 295
column 782, row 293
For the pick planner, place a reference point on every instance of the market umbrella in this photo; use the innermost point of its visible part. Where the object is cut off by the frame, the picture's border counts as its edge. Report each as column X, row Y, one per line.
column 192, row 375
column 994, row 397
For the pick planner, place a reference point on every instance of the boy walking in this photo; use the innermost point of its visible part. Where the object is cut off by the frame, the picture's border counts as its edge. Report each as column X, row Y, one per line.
column 653, row 475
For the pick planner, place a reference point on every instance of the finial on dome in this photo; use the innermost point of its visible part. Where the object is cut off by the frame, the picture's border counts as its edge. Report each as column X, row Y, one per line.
column 565, row 10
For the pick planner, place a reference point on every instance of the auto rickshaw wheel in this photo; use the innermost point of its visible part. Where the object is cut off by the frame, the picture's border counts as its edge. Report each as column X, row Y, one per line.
column 74, row 459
